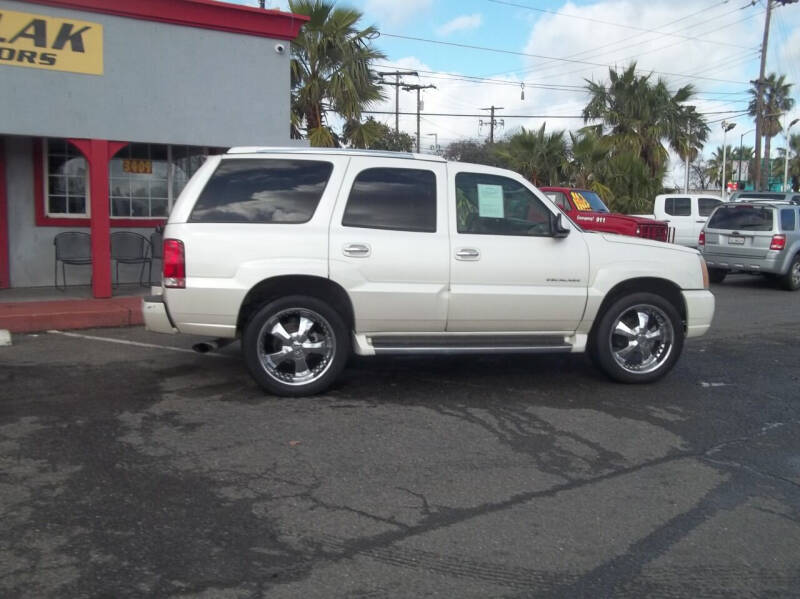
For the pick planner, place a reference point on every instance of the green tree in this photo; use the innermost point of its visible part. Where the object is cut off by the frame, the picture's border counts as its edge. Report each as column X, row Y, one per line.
column 588, row 164
column 538, row 156
column 776, row 101
column 374, row 135
column 641, row 116
column 330, row 70
column 473, row 151
column 715, row 164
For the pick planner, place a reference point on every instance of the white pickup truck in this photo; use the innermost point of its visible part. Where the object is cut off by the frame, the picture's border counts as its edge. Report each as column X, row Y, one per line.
column 686, row 213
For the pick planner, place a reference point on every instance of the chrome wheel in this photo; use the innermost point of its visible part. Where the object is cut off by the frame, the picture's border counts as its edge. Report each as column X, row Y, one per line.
column 296, row 346
column 641, row 339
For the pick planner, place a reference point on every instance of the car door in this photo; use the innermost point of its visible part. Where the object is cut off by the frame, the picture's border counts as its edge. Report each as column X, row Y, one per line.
column 389, row 244
column 508, row 272
column 679, row 216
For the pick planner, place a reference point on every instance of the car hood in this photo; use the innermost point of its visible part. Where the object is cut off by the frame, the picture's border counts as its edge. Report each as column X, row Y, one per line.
column 638, row 241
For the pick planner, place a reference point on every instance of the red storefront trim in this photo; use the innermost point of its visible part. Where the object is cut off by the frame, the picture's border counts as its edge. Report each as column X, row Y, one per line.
column 43, row 220
column 5, row 273
column 205, row 14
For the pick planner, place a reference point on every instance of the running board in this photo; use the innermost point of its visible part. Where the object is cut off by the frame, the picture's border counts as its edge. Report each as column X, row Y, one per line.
column 469, row 344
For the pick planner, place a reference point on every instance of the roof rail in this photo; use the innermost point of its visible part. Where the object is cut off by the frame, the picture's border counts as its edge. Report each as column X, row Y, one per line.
column 339, row 151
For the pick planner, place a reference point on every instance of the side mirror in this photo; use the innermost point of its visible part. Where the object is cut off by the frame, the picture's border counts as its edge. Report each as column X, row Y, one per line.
column 557, row 226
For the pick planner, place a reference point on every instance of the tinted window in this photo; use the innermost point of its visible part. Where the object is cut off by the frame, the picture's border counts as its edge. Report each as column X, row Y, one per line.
column 678, row 206
column 707, row 205
column 262, row 191
column 492, row 205
column 401, row 199
column 559, row 199
column 742, row 218
column 787, row 219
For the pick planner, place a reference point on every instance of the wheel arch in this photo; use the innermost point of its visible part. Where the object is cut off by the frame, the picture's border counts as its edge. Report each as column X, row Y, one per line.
column 314, row 286
column 663, row 287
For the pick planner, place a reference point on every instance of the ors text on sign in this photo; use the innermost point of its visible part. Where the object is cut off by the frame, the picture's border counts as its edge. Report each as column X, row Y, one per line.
column 42, row 42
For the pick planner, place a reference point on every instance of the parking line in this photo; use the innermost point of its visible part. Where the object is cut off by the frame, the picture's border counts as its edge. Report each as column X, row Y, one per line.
column 136, row 343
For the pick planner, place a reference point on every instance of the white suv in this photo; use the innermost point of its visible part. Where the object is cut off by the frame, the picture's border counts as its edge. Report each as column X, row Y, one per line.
column 308, row 255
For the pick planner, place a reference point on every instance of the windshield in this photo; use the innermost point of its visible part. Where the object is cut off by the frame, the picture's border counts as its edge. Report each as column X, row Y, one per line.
column 742, row 218
column 588, row 201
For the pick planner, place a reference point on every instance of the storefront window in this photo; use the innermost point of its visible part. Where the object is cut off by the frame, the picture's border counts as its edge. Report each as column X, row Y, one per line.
column 139, row 181
column 65, row 179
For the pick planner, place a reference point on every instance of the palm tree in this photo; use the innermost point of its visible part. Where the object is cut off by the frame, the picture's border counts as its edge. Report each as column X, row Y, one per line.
column 775, row 101
column 640, row 116
column 715, row 163
column 537, row 155
column 330, row 70
column 586, row 169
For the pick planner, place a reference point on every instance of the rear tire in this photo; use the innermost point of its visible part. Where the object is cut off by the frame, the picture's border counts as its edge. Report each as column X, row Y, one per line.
column 791, row 280
column 638, row 339
column 296, row 346
column 717, row 275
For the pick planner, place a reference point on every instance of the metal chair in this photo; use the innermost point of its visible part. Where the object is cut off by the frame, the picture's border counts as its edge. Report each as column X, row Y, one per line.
column 156, row 250
column 130, row 248
column 71, row 247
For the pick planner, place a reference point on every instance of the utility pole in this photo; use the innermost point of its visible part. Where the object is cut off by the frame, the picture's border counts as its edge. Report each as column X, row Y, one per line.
column 492, row 121
column 419, row 103
column 397, row 84
column 726, row 126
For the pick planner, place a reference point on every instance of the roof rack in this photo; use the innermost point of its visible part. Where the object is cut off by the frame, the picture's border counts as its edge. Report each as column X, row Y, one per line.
column 339, row 151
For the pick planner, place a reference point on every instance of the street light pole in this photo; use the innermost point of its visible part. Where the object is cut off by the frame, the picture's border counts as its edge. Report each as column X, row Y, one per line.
column 741, row 151
column 786, row 152
column 726, row 126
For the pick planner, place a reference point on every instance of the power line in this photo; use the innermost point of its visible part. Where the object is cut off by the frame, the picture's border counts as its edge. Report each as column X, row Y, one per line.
column 517, row 53
column 517, row 116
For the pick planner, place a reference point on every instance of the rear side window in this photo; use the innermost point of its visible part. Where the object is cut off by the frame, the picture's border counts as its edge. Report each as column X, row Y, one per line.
column 559, row 199
column 742, row 218
column 788, row 219
column 399, row 199
column 678, row 206
column 706, row 205
column 253, row 190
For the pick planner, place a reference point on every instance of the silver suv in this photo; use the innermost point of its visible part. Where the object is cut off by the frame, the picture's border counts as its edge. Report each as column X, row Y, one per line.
column 759, row 237
column 762, row 196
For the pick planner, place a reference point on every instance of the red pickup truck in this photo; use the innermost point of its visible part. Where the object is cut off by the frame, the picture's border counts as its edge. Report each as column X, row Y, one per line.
column 587, row 209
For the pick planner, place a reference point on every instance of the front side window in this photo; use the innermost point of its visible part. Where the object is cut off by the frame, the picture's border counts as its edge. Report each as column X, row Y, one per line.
column 495, row 205
column 787, row 219
column 255, row 190
column 678, row 206
column 399, row 199
column 706, row 205
column 65, row 180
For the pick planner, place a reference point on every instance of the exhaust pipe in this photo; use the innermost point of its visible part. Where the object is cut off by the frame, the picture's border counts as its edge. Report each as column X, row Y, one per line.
column 211, row 345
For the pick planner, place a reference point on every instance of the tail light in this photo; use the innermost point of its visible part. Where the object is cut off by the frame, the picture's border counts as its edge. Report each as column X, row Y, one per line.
column 174, row 264
column 778, row 242
column 702, row 240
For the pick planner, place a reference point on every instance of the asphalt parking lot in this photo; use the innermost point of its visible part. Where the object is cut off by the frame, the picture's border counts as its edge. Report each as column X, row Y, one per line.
column 134, row 469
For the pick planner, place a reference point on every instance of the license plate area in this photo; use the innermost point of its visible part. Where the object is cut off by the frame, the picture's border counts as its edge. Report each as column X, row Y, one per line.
column 735, row 240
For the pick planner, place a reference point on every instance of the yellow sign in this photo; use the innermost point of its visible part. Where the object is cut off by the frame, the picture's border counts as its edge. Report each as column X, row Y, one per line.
column 580, row 202
column 138, row 166
column 41, row 42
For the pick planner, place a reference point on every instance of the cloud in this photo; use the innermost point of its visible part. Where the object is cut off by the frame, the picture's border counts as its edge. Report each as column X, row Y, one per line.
column 395, row 12
column 462, row 23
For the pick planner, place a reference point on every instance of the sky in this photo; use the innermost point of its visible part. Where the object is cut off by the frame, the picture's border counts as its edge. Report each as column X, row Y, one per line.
column 553, row 47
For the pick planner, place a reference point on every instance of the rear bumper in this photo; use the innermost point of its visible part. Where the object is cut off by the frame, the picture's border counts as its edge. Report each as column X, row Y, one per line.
column 699, row 311
column 771, row 263
column 156, row 317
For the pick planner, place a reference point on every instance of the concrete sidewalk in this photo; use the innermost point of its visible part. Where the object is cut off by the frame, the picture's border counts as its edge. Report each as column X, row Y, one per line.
column 36, row 309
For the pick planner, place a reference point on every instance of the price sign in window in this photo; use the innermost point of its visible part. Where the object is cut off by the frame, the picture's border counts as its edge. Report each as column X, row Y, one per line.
column 580, row 202
column 137, row 166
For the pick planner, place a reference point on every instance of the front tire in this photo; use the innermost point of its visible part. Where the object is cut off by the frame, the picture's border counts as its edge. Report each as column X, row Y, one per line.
column 638, row 339
column 717, row 275
column 296, row 346
column 791, row 280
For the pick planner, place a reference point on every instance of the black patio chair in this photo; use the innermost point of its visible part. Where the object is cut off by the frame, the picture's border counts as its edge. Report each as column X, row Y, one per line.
column 130, row 248
column 71, row 247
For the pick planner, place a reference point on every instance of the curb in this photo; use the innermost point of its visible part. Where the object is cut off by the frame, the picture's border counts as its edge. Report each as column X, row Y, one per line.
column 30, row 317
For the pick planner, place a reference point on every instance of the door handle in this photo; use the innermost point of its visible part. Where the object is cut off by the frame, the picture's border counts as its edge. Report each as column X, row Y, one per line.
column 357, row 250
column 700, row 221
column 468, row 254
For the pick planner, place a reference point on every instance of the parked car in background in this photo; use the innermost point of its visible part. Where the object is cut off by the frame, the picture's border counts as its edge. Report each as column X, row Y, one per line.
column 773, row 196
column 309, row 255
column 686, row 214
column 587, row 209
column 758, row 237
